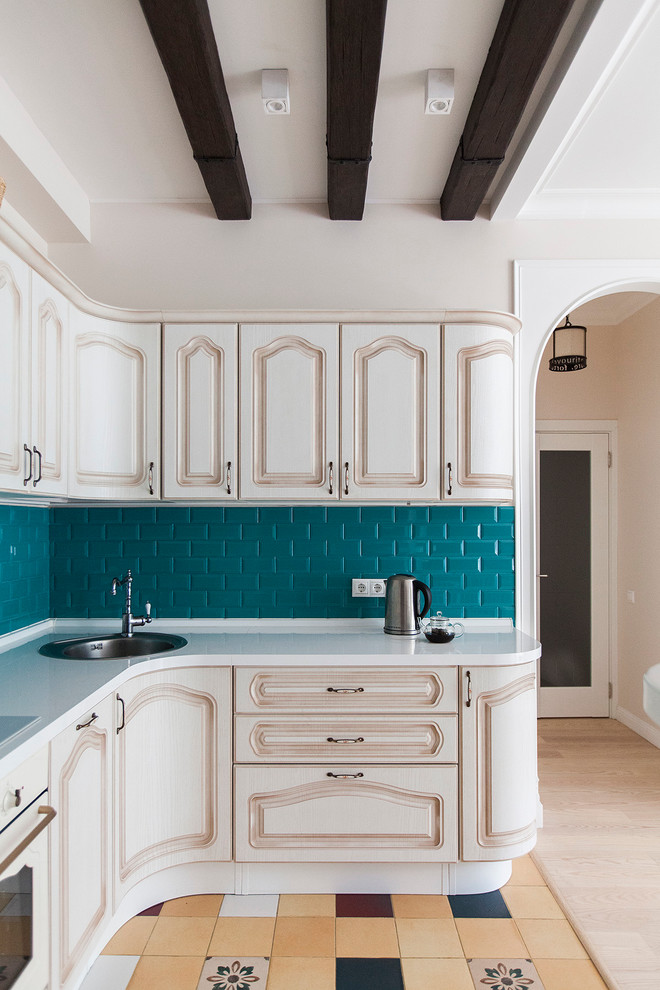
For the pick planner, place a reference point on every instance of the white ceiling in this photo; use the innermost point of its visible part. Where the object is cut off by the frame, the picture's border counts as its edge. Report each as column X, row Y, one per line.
column 87, row 116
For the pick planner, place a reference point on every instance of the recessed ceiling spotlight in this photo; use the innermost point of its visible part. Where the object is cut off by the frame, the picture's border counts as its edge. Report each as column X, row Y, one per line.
column 439, row 91
column 275, row 91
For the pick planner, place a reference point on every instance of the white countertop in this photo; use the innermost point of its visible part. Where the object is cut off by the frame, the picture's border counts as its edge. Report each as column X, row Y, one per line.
column 59, row 691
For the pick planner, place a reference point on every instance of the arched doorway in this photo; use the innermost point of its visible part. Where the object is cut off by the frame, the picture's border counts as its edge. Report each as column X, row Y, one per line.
column 546, row 291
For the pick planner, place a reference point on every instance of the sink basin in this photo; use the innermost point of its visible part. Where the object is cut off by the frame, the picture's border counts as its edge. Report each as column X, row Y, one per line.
column 115, row 647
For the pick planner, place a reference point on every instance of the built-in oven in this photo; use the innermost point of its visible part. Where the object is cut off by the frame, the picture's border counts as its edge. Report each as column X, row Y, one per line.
column 24, row 925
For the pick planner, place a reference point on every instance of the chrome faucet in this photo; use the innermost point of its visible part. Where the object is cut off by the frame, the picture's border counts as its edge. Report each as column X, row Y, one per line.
column 128, row 620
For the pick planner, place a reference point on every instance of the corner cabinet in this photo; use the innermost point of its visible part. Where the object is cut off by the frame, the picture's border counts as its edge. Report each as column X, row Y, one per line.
column 390, row 411
column 499, row 776
column 289, row 411
column 200, row 367
column 115, row 402
column 478, row 384
column 81, row 840
column 172, row 772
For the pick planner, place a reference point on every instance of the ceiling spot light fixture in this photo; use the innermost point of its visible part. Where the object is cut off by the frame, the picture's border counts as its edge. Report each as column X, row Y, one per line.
column 275, row 91
column 569, row 347
column 439, row 91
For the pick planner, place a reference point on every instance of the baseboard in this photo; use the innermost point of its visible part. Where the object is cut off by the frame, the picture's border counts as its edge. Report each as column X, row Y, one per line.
column 649, row 732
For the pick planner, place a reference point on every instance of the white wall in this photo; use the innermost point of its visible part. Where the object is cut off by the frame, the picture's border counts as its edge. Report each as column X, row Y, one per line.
column 181, row 258
column 621, row 383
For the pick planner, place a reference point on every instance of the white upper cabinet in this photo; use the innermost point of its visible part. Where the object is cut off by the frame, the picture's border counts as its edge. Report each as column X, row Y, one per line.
column 50, row 367
column 15, row 461
column 199, row 411
column 115, row 396
column 33, row 379
column 390, row 412
column 478, row 413
column 289, row 411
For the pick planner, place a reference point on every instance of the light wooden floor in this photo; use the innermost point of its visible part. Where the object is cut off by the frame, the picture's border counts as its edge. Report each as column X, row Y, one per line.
column 599, row 849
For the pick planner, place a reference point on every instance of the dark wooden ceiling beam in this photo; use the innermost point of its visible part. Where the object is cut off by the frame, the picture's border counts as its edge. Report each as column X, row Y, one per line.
column 183, row 34
column 523, row 39
column 354, row 43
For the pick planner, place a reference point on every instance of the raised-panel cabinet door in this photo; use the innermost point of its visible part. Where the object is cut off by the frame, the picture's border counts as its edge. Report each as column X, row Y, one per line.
column 346, row 813
column 80, row 836
column 50, row 365
column 15, row 461
column 499, row 777
column 115, row 389
column 172, row 772
column 478, row 413
column 199, row 411
column 289, row 411
column 390, row 412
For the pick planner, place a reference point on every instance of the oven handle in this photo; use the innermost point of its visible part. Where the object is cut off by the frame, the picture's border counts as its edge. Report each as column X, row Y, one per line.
column 43, row 809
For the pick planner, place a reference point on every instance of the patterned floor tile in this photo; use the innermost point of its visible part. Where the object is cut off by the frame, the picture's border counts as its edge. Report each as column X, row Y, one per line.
column 373, row 937
column 489, row 905
column 433, row 974
column 249, row 906
column 229, row 973
column 155, row 909
column 504, row 974
column 110, row 971
column 304, row 937
column 364, row 906
column 287, row 973
column 199, row 906
column 369, row 974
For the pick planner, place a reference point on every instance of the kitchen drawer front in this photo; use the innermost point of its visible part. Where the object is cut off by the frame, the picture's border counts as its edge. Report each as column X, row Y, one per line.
column 363, row 814
column 397, row 739
column 346, row 689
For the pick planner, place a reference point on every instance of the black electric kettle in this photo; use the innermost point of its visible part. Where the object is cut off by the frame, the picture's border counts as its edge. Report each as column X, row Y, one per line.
column 402, row 604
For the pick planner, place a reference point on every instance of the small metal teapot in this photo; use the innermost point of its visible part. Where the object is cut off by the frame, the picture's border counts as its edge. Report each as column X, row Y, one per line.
column 437, row 629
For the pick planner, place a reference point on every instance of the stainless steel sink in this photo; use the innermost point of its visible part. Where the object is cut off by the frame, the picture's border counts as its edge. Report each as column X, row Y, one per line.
column 116, row 647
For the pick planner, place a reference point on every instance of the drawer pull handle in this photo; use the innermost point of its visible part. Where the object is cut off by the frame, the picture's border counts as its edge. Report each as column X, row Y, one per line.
column 84, row 725
column 123, row 714
column 359, row 739
column 343, row 776
column 346, row 690
column 469, row 690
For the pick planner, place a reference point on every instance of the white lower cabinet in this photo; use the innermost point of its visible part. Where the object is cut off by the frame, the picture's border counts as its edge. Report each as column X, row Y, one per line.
column 172, row 772
column 81, row 881
column 346, row 813
column 498, row 753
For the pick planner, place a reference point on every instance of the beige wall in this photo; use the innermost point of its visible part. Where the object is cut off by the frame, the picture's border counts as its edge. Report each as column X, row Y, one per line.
column 622, row 382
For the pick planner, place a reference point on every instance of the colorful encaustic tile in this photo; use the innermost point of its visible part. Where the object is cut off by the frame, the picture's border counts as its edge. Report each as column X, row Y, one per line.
column 369, row 974
column 504, row 974
column 229, row 973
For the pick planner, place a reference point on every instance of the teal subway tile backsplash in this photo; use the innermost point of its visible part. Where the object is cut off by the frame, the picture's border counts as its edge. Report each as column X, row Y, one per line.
column 24, row 566
column 272, row 561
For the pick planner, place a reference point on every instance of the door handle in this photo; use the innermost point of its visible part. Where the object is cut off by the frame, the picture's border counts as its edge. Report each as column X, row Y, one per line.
column 29, row 474
column 37, row 478
column 43, row 809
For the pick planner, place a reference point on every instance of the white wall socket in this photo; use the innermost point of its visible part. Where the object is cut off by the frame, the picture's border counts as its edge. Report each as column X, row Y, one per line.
column 367, row 588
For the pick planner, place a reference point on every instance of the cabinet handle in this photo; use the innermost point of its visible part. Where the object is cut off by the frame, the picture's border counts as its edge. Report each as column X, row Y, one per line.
column 468, row 701
column 83, row 725
column 229, row 477
column 151, row 477
column 358, row 740
column 37, row 479
column 343, row 776
column 345, row 690
column 123, row 714
column 449, row 488
column 29, row 453
column 43, row 809
column 331, row 477
column 346, row 478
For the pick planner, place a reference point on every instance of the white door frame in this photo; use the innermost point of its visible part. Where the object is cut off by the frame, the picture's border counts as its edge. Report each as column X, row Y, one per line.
column 607, row 427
